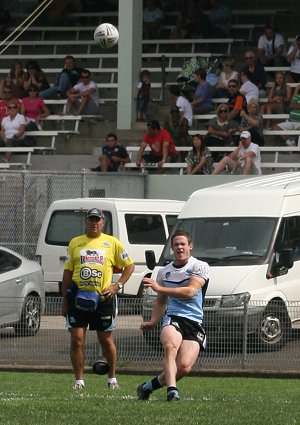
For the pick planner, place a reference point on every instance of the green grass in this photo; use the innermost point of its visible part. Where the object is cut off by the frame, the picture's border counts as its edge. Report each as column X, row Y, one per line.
column 48, row 398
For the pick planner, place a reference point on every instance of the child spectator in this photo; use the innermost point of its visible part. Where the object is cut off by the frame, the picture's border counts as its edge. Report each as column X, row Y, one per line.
column 143, row 95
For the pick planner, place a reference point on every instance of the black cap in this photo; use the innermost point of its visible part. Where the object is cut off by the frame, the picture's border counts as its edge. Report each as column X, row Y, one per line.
column 95, row 212
column 153, row 124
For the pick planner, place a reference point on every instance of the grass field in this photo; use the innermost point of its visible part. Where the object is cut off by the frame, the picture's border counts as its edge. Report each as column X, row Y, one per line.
column 48, row 398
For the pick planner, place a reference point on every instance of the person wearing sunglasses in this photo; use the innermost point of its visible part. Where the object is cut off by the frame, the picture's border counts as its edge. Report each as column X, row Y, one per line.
column 255, row 72
column 83, row 98
column 6, row 97
column 33, row 108
column 236, row 101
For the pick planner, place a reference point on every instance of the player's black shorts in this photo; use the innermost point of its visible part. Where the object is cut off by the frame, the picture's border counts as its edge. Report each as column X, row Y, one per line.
column 103, row 319
column 189, row 329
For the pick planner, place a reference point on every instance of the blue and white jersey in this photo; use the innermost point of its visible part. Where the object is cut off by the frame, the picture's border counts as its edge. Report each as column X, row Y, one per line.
column 174, row 277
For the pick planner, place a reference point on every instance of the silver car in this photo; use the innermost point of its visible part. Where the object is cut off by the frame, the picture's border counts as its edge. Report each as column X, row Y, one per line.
column 22, row 293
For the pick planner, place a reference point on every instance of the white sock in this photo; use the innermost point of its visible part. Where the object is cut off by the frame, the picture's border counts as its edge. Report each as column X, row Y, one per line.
column 112, row 380
column 80, row 381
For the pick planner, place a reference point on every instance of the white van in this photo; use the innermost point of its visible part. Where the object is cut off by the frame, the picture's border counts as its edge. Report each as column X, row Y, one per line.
column 139, row 224
column 249, row 233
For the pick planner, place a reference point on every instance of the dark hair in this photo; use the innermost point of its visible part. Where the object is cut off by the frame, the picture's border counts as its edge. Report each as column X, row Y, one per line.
column 202, row 143
column 111, row 135
column 181, row 232
column 233, row 80
column 12, row 71
column 70, row 57
column 174, row 89
column 33, row 87
column 201, row 72
column 144, row 73
column 154, row 125
column 33, row 64
column 86, row 72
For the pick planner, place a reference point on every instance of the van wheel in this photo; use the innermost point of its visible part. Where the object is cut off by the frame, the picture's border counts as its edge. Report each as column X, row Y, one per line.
column 30, row 320
column 274, row 328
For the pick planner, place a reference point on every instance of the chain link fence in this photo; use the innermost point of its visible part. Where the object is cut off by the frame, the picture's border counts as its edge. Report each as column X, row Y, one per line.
column 272, row 344
column 26, row 196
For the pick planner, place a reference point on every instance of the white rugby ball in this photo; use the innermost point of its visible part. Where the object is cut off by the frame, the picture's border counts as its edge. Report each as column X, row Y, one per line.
column 106, row 36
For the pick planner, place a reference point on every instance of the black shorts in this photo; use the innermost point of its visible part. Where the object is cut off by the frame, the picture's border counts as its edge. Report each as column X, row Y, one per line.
column 152, row 159
column 103, row 319
column 189, row 329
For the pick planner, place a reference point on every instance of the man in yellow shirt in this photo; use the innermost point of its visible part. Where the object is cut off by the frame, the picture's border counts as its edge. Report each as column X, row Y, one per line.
column 89, row 295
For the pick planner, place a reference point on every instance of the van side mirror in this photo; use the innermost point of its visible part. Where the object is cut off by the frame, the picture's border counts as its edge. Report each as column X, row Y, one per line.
column 286, row 258
column 282, row 264
column 150, row 259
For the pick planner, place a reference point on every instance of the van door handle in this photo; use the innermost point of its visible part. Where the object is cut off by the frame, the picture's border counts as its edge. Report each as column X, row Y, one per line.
column 63, row 258
column 19, row 280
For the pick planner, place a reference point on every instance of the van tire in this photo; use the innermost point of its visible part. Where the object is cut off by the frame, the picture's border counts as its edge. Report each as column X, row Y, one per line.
column 30, row 321
column 274, row 328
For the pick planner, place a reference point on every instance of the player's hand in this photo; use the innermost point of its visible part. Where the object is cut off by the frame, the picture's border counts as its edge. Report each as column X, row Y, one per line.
column 151, row 283
column 64, row 307
column 110, row 291
column 147, row 326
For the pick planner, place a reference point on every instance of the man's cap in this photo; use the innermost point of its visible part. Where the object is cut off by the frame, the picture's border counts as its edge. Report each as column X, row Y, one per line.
column 245, row 135
column 154, row 125
column 298, row 37
column 95, row 212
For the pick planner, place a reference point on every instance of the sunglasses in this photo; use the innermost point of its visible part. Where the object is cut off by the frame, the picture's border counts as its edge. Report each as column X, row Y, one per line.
column 223, row 111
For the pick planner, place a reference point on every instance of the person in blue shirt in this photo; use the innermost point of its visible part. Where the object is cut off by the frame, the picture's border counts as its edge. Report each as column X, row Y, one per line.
column 180, row 288
column 113, row 155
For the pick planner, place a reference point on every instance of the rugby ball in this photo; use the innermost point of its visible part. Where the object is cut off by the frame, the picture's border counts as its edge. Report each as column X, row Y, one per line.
column 100, row 367
column 106, row 36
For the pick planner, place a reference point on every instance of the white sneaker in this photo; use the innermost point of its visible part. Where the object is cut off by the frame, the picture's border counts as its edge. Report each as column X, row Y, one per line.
column 113, row 385
column 78, row 386
column 290, row 142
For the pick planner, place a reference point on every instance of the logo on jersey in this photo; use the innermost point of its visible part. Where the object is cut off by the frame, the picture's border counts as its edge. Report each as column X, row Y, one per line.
column 167, row 275
column 124, row 255
column 92, row 256
column 87, row 273
column 106, row 244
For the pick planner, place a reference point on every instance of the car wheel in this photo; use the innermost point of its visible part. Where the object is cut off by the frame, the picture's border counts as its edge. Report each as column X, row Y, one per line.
column 30, row 320
column 273, row 329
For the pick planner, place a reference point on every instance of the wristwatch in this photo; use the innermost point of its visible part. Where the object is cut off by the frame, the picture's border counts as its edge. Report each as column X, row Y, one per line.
column 120, row 286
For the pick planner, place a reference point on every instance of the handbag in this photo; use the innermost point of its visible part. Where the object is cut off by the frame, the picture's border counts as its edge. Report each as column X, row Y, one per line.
column 86, row 300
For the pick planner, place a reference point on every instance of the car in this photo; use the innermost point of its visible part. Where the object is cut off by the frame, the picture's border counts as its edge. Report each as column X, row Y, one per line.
column 22, row 293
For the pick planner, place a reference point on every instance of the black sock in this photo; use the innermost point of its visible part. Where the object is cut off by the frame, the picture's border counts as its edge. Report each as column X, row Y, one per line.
column 172, row 389
column 155, row 384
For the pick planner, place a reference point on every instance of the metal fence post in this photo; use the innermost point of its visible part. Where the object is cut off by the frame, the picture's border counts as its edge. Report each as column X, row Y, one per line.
column 163, row 80
column 83, row 182
column 245, row 332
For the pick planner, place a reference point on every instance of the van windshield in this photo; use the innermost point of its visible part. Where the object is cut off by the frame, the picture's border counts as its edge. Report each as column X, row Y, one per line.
column 228, row 240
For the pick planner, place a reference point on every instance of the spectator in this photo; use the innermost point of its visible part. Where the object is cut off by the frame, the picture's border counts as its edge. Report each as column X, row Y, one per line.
column 178, row 127
column 67, row 79
column 153, row 17
column 161, row 144
column 15, row 79
column 220, row 18
column 236, row 101
column 294, row 119
column 248, row 89
column 7, row 96
column 202, row 102
column 12, row 129
column 33, row 108
column 113, row 155
column 220, row 130
column 143, row 95
column 271, row 49
column 278, row 99
column 83, row 98
column 191, row 21
column 293, row 57
column 245, row 159
column 34, row 75
column 255, row 72
column 199, row 159
column 252, row 121
column 228, row 73
column 182, row 103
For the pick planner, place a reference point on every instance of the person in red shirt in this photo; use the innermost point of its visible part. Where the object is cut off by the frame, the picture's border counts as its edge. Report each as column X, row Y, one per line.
column 7, row 97
column 161, row 144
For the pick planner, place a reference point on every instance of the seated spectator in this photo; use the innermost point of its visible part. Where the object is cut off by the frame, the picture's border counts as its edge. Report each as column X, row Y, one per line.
column 220, row 130
column 199, row 159
column 34, row 75
column 178, row 127
column 182, row 103
column 220, row 17
column 252, row 121
column 67, row 79
column 293, row 123
column 236, row 101
column 202, row 102
column 293, row 57
column 161, row 144
column 191, row 21
column 245, row 159
column 33, row 108
column 278, row 99
column 7, row 96
column 228, row 73
column 12, row 130
column 271, row 49
column 255, row 72
column 113, row 155
column 15, row 79
column 83, row 98
column 143, row 95
column 248, row 89
column 153, row 18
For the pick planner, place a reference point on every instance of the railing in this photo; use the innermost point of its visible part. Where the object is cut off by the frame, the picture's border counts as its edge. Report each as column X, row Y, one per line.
column 247, row 343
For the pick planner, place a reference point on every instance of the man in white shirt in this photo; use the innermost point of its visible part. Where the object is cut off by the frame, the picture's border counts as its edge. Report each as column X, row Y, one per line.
column 245, row 159
column 271, row 48
column 183, row 104
column 83, row 98
column 248, row 89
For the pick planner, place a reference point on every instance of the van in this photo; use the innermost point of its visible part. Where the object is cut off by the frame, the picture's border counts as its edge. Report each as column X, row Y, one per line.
column 248, row 232
column 137, row 223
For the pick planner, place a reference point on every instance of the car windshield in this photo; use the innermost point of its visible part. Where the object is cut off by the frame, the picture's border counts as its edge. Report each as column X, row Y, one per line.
column 227, row 240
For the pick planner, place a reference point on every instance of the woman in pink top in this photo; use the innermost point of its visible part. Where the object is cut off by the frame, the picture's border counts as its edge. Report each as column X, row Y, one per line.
column 33, row 108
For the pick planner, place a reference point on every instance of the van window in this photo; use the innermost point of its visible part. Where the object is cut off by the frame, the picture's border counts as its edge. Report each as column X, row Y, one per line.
column 64, row 225
column 289, row 236
column 171, row 220
column 145, row 229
